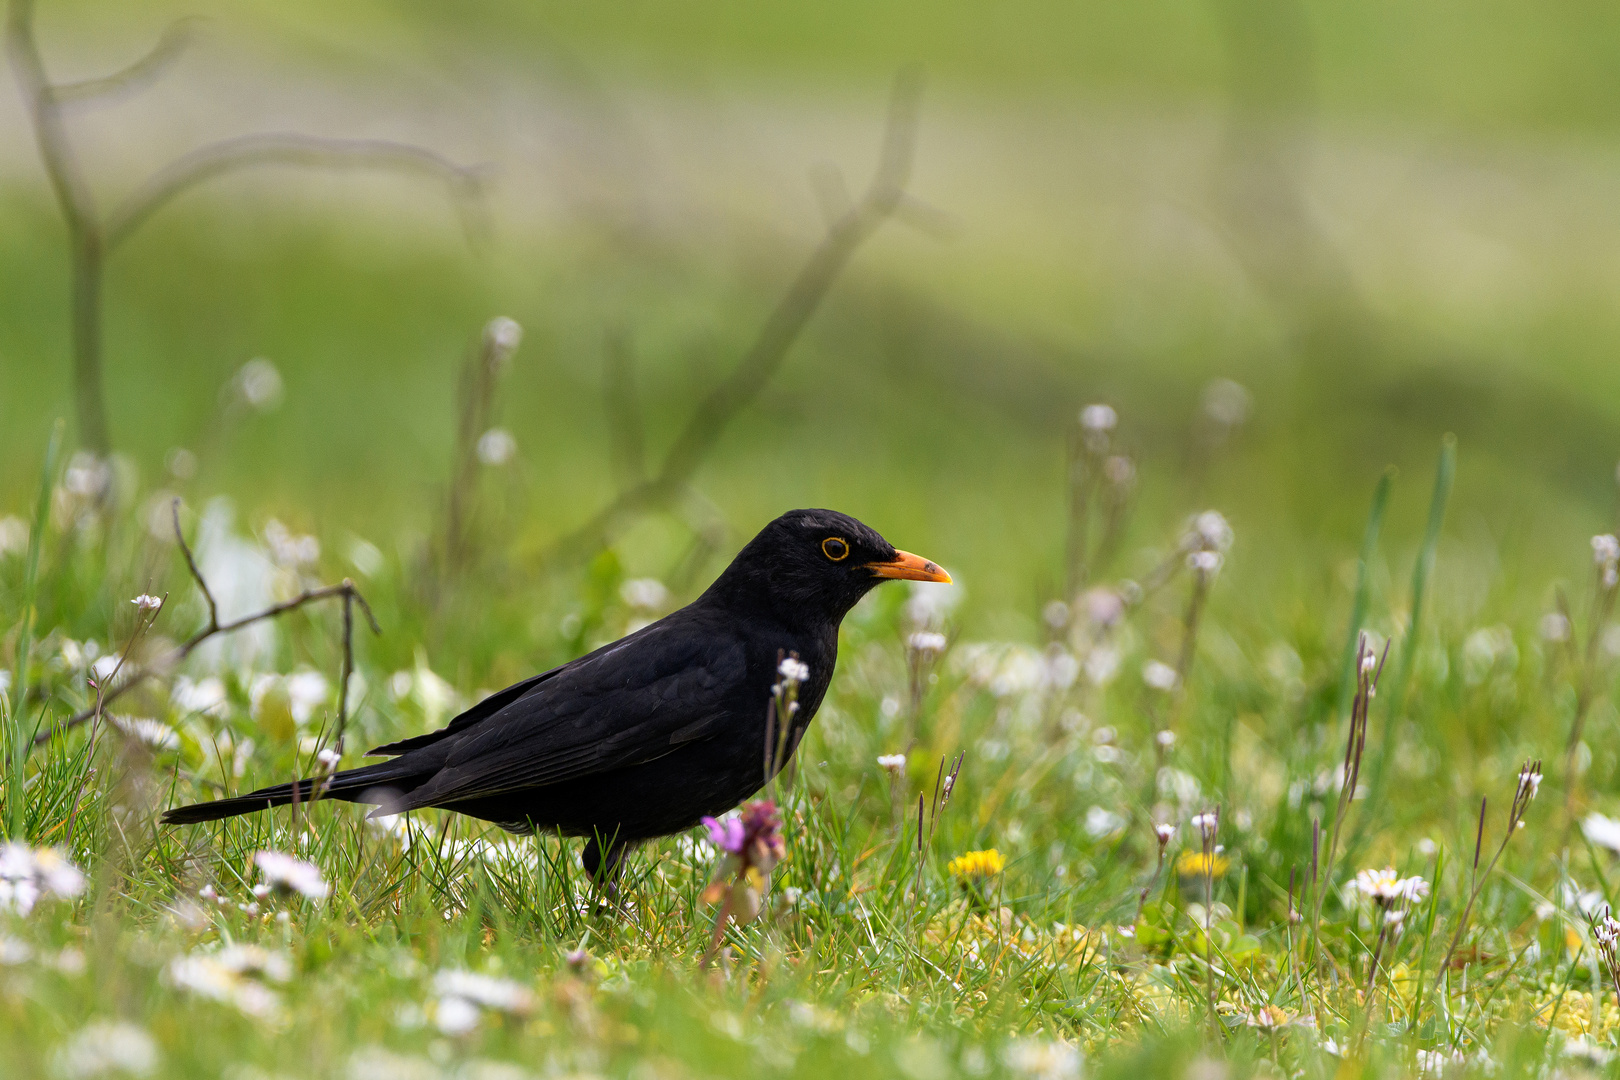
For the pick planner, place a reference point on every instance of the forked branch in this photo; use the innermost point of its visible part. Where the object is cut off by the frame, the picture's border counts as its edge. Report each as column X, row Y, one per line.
column 91, row 237
column 172, row 659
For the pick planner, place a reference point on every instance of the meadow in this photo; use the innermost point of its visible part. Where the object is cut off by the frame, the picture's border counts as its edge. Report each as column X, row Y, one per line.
column 1268, row 730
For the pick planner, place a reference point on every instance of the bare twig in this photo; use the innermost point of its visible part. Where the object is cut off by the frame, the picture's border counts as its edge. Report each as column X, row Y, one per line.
column 91, row 238
column 787, row 320
column 479, row 376
column 346, row 589
column 191, row 565
column 276, row 148
column 136, row 76
column 1368, row 668
column 73, row 198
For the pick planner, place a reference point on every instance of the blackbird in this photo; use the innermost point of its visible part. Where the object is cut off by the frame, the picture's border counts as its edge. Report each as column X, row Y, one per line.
column 649, row 734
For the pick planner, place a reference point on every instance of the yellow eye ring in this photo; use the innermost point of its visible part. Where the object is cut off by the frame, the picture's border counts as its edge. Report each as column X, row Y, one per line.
column 835, row 548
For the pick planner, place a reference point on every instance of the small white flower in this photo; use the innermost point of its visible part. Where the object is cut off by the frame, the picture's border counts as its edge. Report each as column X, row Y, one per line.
column 1582, row 1049
column 1554, row 627
column 1605, row 549
column 1208, row 531
column 203, row 695
column 288, row 549
column 29, row 875
column 328, row 759
column 287, row 874
column 1227, row 402
column 306, row 691
column 644, row 594
column 1159, row 675
column 502, row 336
column 1042, row 1059
column 103, row 1047
column 86, row 475
column 13, row 952
column 259, row 384
column 926, row 643
column 793, row 671
column 1056, row 614
column 1208, row 824
column 236, row 975
column 490, row 992
column 1166, row 739
column 463, row 994
column 1101, row 822
column 1602, row 831
column 1165, row 831
column 456, row 1016
column 1606, row 930
column 892, row 764
column 13, row 535
column 1098, row 419
column 1207, row 563
column 151, row 733
column 1529, row 781
column 1386, row 887
column 1104, row 607
column 147, row 602
column 496, row 447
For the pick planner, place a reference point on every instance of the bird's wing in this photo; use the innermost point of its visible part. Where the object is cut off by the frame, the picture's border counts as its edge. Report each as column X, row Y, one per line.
column 617, row 707
column 481, row 711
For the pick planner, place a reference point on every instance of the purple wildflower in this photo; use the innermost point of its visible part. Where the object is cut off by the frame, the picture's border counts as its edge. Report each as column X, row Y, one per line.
column 726, row 835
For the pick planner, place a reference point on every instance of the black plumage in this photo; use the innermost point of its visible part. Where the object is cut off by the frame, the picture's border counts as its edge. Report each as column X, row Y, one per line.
column 645, row 736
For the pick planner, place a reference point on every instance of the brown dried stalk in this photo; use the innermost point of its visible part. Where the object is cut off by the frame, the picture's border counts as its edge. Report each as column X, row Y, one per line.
column 1367, row 672
column 1525, row 791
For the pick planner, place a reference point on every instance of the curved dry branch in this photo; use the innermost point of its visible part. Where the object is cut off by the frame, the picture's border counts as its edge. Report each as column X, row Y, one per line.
column 137, row 75
column 250, row 151
column 170, row 660
column 884, row 196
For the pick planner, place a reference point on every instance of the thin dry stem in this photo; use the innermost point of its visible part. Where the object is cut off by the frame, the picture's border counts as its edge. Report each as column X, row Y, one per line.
column 172, row 659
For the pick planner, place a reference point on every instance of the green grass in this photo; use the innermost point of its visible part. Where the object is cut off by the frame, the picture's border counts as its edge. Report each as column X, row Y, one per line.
column 870, row 957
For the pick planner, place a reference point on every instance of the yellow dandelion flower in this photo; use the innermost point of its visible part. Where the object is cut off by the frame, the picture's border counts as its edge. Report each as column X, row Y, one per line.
column 1197, row 864
column 975, row 864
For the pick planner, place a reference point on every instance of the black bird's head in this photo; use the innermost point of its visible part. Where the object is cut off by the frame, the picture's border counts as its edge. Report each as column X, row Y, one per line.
column 814, row 565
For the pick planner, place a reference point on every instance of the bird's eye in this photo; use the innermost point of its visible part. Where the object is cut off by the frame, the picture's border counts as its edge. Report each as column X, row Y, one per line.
column 835, row 548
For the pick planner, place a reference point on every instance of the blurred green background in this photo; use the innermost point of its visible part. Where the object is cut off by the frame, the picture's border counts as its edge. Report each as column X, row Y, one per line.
column 1387, row 221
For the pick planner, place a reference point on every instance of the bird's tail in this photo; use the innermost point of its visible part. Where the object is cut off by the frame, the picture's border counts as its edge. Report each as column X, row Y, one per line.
column 371, row 784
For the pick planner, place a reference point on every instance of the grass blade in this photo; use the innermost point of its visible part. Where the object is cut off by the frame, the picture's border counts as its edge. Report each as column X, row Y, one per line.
column 21, row 741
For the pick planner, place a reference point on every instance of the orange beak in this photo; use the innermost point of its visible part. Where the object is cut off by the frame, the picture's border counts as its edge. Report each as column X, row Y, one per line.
column 911, row 567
